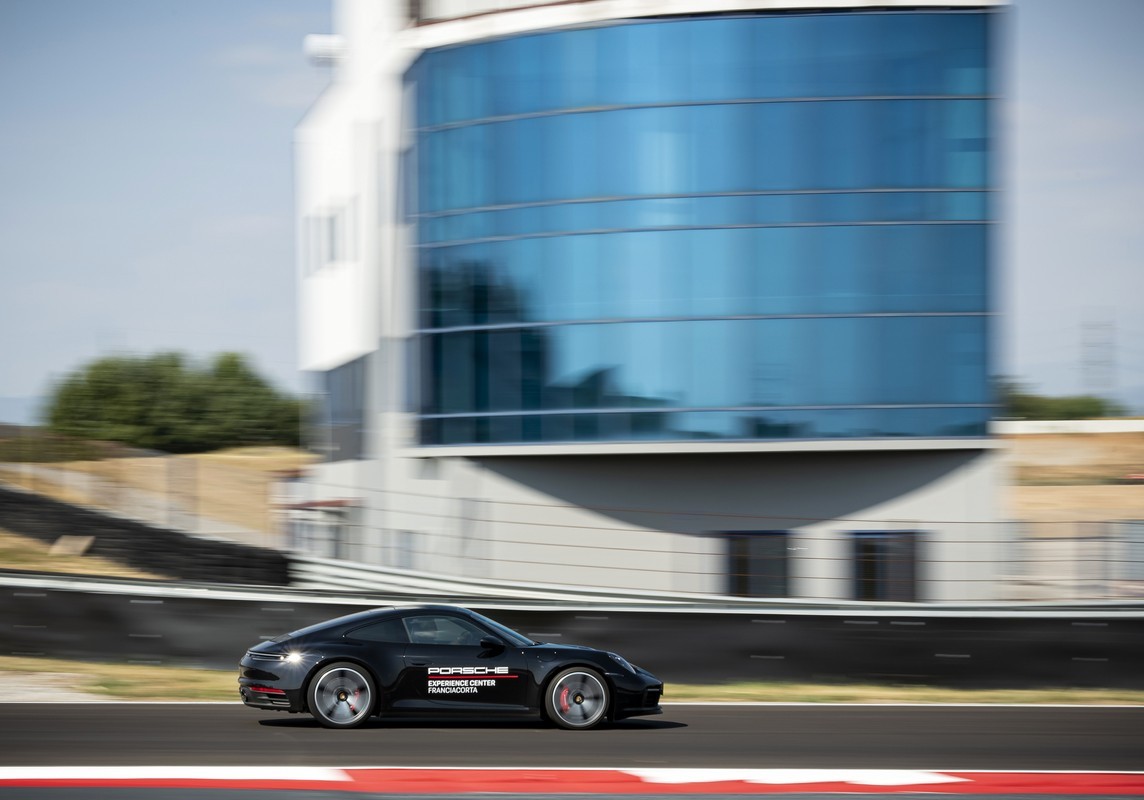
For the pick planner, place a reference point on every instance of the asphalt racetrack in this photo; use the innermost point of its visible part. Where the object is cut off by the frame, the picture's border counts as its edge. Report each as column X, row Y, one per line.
column 742, row 736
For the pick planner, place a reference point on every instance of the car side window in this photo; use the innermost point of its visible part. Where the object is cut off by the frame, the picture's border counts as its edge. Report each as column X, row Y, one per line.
column 436, row 629
column 390, row 630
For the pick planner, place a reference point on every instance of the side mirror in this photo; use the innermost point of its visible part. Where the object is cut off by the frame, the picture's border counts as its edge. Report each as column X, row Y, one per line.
column 492, row 643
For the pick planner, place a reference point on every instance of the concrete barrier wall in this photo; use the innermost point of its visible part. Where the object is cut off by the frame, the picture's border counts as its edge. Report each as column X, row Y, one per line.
column 212, row 628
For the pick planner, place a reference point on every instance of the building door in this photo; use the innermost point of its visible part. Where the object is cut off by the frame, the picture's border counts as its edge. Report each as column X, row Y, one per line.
column 885, row 565
column 757, row 564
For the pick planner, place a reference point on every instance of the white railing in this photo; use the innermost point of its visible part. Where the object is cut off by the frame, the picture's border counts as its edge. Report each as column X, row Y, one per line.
column 313, row 573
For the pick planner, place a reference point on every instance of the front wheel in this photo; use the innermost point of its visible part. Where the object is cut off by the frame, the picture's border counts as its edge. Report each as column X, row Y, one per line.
column 341, row 695
column 577, row 699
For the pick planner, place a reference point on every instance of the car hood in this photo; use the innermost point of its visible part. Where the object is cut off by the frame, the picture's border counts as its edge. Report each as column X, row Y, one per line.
column 565, row 647
column 547, row 651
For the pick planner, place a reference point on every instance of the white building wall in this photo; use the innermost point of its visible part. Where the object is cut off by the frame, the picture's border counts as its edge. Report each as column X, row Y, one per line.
column 653, row 523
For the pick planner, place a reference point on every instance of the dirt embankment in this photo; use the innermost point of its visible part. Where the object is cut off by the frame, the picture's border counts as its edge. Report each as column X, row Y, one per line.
column 230, row 486
column 1076, row 476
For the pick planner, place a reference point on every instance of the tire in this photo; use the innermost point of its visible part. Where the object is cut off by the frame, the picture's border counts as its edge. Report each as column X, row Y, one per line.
column 577, row 699
column 341, row 695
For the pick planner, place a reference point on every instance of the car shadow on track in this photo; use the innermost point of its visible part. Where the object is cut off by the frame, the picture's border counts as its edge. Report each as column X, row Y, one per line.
column 398, row 723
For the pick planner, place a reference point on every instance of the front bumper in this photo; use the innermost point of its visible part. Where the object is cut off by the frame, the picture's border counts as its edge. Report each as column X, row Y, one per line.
column 636, row 695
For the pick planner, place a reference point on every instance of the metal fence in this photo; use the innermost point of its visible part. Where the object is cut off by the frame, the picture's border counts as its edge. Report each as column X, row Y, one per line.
column 862, row 559
column 1077, row 560
column 867, row 560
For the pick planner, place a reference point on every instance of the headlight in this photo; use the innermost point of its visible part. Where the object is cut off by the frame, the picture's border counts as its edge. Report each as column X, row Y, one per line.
column 623, row 662
column 293, row 658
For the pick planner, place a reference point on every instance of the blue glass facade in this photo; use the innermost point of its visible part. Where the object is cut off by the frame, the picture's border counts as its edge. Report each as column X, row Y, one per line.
column 747, row 227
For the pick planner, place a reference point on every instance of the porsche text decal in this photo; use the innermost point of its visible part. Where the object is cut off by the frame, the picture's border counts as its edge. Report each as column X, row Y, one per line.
column 464, row 680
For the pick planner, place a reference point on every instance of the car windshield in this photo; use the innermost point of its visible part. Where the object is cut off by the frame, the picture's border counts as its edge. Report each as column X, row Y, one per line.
column 504, row 632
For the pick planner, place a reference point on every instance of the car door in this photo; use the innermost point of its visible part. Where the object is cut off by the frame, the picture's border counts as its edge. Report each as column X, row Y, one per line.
column 446, row 666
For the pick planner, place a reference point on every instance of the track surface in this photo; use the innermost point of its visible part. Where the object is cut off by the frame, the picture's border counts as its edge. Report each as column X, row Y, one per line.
column 881, row 737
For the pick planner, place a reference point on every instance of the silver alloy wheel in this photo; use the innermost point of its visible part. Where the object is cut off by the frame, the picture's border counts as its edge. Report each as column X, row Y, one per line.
column 577, row 698
column 341, row 696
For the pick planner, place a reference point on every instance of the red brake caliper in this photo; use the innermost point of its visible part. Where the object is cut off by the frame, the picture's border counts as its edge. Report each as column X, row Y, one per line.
column 564, row 701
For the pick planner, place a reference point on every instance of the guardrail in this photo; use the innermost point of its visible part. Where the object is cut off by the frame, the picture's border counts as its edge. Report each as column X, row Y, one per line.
column 324, row 574
column 205, row 626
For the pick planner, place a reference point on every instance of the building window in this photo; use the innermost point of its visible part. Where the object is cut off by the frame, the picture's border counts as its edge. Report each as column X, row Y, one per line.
column 330, row 237
column 403, row 553
column 317, row 531
column 337, row 427
column 758, row 564
column 885, row 565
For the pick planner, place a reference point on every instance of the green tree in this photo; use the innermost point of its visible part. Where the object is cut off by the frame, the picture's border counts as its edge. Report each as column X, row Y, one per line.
column 163, row 402
column 1017, row 402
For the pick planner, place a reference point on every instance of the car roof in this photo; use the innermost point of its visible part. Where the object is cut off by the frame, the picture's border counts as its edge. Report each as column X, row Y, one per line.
column 361, row 617
column 430, row 607
column 337, row 622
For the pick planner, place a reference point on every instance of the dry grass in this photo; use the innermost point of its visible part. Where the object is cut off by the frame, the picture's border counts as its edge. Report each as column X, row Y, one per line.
column 231, row 485
column 259, row 459
column 1072, row 503
column 859, row 693
column 1062, row 477
column 1075, row 459
column 21, row 552
column 236, row 485
column 17, row 475
column 129, row 681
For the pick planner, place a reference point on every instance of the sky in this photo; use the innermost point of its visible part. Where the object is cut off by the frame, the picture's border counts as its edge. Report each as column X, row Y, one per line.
column 146, row 182
column 146, row 188
column 1072, row 263
column 1072, row 178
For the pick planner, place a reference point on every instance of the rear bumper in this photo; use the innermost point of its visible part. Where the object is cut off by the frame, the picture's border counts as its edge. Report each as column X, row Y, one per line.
column 273, row 691
column 270, row 698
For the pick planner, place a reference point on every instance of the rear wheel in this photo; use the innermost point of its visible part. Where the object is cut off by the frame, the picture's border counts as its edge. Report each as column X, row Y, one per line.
column 577, row 699
column 341, row 695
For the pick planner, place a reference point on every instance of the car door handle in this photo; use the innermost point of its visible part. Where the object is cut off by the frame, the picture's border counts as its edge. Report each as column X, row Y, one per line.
column 414, row 663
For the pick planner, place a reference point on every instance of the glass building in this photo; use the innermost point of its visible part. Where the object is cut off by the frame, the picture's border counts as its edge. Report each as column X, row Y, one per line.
column 695, row 302
column 763, row 226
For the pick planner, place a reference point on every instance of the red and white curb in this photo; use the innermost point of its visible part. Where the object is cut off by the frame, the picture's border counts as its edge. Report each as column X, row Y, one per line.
column 458, row 780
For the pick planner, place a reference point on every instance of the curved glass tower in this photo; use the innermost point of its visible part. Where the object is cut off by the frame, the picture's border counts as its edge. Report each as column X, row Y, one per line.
column 736, row 227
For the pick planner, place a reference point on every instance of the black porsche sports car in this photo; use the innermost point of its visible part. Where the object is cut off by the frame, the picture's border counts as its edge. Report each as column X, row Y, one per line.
column 439, row 658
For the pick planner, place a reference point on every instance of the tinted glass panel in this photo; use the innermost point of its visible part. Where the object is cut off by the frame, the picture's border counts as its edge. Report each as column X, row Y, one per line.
column 757, row 564
column 734, row 227
column 706, row 364
column 391, row 630
column 878, row 143
column 717, row 59
column 885, row 566
column 433, row 629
